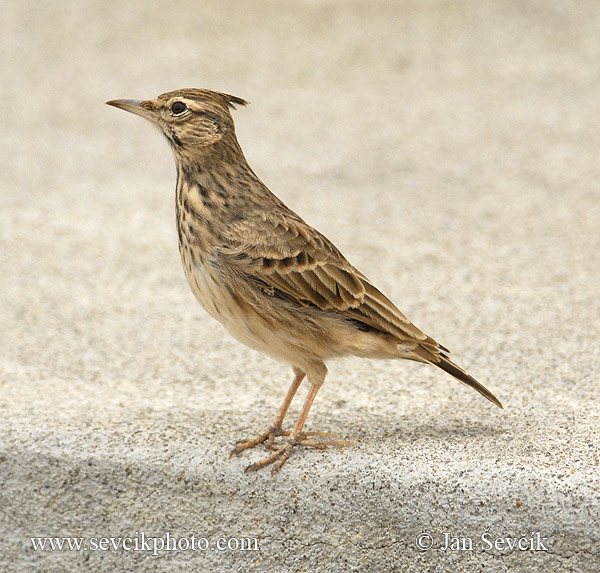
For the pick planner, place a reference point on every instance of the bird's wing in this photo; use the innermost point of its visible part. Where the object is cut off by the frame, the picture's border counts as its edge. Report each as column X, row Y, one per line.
column 286, row 256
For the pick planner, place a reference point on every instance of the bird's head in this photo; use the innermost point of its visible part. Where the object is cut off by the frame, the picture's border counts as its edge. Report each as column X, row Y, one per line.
column 192, row 120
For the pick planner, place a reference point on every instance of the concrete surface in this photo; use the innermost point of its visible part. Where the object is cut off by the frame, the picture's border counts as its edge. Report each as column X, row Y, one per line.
column 450, row 149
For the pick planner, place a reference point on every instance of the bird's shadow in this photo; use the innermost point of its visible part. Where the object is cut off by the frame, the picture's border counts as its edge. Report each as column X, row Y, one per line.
column 408, row 429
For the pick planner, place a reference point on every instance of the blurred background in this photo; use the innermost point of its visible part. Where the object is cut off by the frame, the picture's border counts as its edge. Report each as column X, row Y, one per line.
column 449, row 148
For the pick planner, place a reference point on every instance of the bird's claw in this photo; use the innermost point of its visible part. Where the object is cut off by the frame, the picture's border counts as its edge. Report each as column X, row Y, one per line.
column 281, row 452
column 279, row 456
column 302, row 439
column 267, row 437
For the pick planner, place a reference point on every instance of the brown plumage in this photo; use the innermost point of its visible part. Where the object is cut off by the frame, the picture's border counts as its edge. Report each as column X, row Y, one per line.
column 275, row 283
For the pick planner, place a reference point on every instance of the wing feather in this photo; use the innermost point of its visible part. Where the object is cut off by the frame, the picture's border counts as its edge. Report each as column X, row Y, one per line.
column 307, row 268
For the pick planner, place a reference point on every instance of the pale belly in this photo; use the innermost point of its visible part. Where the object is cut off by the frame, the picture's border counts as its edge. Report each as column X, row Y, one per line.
column 297, row 337
column 240, row 318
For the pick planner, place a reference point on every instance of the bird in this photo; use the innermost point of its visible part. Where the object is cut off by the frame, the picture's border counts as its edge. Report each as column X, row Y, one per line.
column 275, row 283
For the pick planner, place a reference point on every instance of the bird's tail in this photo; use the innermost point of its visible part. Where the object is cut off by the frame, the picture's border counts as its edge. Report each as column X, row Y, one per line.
column 458, row 373
column 438, row 357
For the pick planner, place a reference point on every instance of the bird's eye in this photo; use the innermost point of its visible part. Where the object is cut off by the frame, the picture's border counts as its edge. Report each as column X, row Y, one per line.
column 178, row 107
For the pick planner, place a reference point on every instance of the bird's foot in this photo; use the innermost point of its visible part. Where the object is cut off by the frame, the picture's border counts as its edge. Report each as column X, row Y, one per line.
column 303, row 439
column 281, row 452
column 267, row 437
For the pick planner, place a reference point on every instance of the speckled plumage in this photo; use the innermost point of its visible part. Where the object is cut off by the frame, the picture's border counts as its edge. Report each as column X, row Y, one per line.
column 274, row 282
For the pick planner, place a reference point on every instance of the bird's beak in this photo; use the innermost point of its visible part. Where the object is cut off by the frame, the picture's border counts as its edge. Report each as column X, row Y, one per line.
column 138, row 107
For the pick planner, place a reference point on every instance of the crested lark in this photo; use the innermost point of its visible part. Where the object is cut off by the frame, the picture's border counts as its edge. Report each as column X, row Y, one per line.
column 274, row 282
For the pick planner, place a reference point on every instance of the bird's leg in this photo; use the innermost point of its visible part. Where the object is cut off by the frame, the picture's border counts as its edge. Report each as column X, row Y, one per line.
column 274, row 429
column 296, row 437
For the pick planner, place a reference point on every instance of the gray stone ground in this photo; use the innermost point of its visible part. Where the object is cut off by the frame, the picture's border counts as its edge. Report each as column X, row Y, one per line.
column 450, row 149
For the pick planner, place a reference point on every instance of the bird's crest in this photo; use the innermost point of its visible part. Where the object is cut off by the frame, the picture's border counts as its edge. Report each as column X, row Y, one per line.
column 230, row 101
